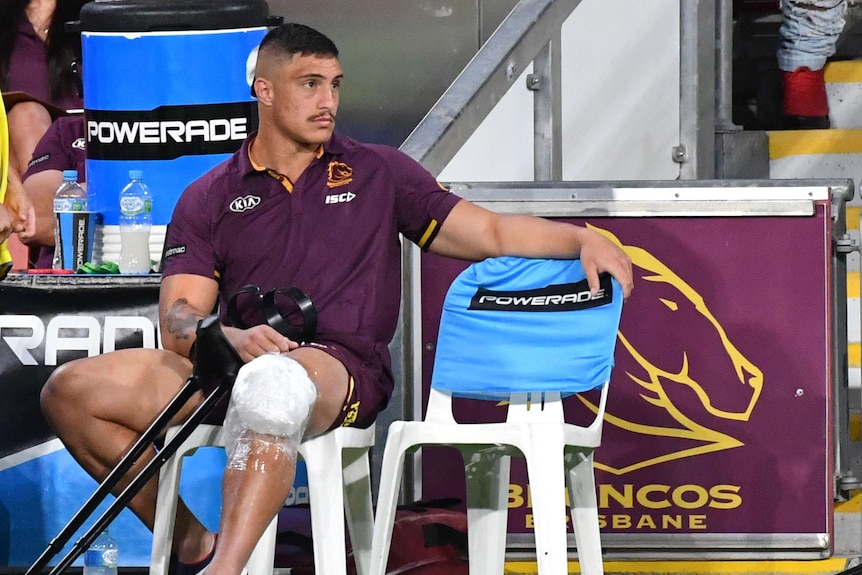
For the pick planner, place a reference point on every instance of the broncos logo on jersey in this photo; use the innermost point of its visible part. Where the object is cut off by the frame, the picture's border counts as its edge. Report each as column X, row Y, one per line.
column 339, row 174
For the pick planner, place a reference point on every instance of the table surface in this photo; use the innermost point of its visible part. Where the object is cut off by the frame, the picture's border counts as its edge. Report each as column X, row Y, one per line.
column 19, row 280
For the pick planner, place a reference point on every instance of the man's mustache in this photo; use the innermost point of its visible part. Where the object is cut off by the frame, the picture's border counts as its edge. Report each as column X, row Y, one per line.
column 327, row 115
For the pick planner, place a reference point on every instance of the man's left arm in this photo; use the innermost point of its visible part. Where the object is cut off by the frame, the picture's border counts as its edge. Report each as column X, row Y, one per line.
column 40, row 187
column 473, row 233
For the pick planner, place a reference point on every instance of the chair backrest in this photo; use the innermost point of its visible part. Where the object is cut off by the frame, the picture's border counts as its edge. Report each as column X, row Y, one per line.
column 513, row 325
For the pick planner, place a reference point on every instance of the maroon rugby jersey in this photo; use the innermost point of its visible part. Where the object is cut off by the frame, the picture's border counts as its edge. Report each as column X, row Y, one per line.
column 62, row 147
column 334, row 234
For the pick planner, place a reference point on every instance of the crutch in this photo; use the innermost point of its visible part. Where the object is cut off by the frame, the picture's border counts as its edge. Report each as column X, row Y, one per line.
column 216, row 364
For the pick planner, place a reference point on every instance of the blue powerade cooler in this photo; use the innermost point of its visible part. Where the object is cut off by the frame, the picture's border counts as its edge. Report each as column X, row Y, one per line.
column 166, row 91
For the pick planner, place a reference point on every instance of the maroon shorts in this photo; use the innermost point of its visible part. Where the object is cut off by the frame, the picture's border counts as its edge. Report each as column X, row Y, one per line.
column 366, row 396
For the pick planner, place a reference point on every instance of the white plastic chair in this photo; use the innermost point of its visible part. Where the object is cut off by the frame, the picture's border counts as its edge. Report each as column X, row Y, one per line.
column 339, row 485
column 532, row 359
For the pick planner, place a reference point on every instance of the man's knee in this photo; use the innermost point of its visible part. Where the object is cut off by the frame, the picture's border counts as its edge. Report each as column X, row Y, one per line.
column 271, row 403
column 61, row 388
column 27, row 113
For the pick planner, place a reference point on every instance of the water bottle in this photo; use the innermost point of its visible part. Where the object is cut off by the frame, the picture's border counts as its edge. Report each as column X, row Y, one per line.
column 69, row 197
column 136, row 219
column 101, row 558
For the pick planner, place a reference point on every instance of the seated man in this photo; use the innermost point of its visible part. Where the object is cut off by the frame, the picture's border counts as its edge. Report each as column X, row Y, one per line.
column 297, row 205
column 38, row 73
column 61, row 148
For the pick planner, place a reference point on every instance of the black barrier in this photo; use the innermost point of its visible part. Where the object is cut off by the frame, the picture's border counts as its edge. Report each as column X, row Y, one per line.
column 46, row 321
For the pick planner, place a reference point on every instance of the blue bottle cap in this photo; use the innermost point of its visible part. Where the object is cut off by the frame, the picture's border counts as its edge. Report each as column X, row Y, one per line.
column 136, row 174
column 70, row 175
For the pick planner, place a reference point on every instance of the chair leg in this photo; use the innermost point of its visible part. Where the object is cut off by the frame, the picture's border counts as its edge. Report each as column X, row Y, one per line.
column 487, row 474
column 325, row 491
column 546, row 472
column 358, row 507
column 169, row 492
column 387, row 497
column 262, row 560
column 584, row 510
column 166, row 514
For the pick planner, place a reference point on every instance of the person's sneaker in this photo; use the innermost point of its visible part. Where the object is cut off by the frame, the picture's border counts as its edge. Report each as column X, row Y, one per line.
column 805, row 106
column 177, row 567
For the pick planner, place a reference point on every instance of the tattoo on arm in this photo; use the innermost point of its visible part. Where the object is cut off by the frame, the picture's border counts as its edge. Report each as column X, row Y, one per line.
column 182, row 320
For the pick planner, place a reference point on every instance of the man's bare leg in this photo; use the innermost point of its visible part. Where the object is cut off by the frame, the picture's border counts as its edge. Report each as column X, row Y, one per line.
column 100, row 406
column 253, row 496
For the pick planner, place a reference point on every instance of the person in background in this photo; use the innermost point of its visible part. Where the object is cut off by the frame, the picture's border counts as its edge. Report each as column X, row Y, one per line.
column 298, row 205
column 61, row 148
column 809, row 33
column 38, row 80
column 16, row 215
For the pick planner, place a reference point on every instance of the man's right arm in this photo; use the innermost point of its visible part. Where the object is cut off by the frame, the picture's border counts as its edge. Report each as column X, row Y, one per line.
column 184, row 300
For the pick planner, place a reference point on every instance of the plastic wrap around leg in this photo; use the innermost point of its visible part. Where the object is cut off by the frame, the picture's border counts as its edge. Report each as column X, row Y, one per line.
column 269, row 409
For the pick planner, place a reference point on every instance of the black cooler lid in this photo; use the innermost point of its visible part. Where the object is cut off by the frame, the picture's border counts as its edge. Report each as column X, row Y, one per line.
column 175, row 15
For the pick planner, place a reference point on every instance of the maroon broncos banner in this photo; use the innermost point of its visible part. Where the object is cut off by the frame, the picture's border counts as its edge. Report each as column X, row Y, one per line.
column 718, row 425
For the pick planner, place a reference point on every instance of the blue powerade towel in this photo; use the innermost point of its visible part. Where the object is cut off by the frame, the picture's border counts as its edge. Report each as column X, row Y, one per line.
column 526, row 325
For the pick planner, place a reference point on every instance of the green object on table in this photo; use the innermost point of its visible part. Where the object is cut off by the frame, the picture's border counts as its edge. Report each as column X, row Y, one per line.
column 103, row 268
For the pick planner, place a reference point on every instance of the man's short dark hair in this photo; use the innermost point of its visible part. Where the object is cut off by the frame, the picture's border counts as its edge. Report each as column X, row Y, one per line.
column 290, row 39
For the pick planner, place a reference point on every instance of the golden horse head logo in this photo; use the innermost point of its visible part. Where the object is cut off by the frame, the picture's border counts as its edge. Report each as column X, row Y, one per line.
column 339, row 174
column 686, row 392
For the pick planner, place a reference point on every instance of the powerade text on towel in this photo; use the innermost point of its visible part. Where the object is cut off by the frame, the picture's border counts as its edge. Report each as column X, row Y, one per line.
column 515, row 304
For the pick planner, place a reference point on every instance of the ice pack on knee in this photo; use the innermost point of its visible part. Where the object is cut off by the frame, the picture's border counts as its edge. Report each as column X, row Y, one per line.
column 272, row 395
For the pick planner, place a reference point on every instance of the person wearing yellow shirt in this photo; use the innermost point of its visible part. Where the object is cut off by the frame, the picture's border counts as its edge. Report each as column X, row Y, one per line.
column 16, row 211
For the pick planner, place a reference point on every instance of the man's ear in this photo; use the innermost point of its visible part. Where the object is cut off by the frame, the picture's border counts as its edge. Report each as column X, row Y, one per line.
column 262, row 90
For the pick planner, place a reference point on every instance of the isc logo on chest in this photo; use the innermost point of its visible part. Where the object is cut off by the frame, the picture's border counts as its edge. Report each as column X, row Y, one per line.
column 340, row 198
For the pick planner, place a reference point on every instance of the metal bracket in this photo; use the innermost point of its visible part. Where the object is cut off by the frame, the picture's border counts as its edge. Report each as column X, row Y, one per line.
column 679, row 154
column 534, row 82
column 845, row 484
column 844, row 244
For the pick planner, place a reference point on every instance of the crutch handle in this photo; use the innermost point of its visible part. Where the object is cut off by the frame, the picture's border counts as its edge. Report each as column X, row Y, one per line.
column 215, row 360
